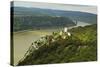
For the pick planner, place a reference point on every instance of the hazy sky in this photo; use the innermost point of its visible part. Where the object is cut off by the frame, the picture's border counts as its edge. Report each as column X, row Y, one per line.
column 82, row 8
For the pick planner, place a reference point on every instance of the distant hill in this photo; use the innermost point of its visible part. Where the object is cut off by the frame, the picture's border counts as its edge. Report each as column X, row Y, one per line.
column 74, row 15
column 40, row 22
column 79, row 47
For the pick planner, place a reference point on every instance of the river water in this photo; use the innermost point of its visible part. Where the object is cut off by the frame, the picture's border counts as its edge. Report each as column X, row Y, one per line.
column 22, row 40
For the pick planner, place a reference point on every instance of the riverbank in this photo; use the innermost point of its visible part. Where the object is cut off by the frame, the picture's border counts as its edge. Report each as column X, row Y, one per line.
column 57, row 28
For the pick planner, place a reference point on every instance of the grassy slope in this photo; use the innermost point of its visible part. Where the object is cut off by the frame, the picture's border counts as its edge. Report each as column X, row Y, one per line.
column 81, row 46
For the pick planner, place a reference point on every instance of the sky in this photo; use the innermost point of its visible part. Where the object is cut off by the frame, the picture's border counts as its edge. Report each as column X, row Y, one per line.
column 66, row 7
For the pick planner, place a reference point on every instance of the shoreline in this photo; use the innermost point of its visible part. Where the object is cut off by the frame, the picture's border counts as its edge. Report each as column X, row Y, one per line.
column 59, row 28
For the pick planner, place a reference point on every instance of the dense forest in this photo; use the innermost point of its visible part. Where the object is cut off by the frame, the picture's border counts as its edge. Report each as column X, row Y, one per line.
column 37, row 22
column 80, row 46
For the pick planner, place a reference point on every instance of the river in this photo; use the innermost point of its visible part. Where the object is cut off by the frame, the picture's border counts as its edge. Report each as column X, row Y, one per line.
column 22, row 40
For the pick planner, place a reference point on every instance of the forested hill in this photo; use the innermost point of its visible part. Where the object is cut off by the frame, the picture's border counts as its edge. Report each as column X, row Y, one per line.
column 74, row 15
column 80, row 46
column 38, row 22
column 35, row 18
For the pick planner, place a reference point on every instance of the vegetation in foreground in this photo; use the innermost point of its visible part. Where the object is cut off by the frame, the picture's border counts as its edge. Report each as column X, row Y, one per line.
column 80, row 46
